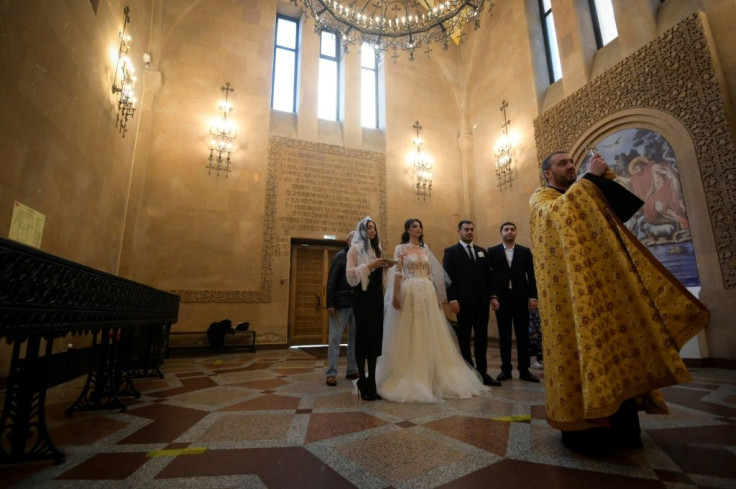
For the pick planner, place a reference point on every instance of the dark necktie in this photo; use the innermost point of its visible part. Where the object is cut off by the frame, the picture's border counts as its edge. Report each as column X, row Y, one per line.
column 470, row 253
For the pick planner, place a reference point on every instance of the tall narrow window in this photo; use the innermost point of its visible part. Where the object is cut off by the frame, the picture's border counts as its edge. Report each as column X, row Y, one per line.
column 604, row 22
column 329, row 94
column 368, row 86
column 550, row 41
column 283, row 90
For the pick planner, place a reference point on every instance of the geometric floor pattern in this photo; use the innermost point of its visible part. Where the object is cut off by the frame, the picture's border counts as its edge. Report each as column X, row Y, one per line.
column 267, row 420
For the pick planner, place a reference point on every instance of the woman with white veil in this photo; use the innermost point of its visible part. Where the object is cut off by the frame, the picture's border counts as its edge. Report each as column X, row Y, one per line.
column 421, row 360
column 365, row 270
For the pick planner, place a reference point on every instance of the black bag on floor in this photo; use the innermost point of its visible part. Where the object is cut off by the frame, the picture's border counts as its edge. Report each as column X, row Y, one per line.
column 217, row 331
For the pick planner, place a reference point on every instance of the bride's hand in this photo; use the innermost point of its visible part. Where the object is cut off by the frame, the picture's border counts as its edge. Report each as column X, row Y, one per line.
column 397, row 303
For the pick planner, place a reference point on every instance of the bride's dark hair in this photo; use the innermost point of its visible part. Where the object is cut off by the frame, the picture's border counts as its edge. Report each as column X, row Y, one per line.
column 407, row 225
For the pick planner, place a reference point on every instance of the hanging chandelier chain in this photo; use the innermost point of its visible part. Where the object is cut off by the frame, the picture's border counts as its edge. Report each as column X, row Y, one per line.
column 396, row 24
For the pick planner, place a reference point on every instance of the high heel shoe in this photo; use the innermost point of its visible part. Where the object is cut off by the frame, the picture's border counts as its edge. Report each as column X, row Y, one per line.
column 363, row 391
column 373, row 391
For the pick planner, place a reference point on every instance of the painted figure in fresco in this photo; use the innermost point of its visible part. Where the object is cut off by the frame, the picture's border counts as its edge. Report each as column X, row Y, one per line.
column 657, row 185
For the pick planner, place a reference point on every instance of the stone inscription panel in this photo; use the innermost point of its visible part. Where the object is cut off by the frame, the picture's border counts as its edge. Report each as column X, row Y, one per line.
column 324, row 190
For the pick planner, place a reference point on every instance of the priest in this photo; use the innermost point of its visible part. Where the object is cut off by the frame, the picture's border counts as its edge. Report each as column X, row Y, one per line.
column 613, row 318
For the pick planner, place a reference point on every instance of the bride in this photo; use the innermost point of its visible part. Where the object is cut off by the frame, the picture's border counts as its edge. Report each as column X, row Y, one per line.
column 421, row 361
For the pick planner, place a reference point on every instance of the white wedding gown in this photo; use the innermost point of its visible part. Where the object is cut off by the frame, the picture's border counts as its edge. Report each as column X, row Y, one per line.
column 421, row 361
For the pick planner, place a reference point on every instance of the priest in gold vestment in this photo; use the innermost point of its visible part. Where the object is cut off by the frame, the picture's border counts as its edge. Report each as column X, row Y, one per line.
column 613, row 318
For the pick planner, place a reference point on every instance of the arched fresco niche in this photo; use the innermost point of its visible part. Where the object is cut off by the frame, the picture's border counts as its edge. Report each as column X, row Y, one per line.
column 646, row 164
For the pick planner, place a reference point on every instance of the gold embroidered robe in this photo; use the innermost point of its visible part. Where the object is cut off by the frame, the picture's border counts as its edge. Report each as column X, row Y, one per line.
column 613, row 318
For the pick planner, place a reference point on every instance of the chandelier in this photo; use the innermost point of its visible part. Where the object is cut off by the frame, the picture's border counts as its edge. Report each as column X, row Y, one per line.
column 223, row 134
column 396, row 24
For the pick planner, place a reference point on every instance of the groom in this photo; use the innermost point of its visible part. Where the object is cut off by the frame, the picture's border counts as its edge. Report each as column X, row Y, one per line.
column 469, row 296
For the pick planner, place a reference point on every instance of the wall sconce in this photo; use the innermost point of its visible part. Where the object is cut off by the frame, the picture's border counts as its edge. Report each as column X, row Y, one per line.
column 223, row 133
column 422, row 168
column 503, row 153
column 124, row 80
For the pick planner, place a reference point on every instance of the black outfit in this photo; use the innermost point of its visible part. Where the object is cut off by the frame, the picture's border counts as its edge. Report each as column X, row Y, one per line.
column 471, row 288
column 339, row 291
column 513, row 285
column 368, row 310
column 535, row 335
column 625, row 429
column 623, row 203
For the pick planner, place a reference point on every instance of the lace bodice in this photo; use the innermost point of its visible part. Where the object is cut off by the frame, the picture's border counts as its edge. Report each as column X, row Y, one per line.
column 412, row 262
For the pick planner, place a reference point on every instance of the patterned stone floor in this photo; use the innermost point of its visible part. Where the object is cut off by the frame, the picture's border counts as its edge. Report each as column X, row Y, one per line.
column 267, row 419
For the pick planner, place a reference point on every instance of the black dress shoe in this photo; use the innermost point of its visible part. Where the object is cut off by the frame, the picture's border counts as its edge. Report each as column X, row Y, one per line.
column 488, row 380
column 595, row 442
column 503, row 376
column 528, row 376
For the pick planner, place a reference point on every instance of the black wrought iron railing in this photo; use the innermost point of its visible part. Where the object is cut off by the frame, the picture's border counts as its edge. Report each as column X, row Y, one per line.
column 44, row 297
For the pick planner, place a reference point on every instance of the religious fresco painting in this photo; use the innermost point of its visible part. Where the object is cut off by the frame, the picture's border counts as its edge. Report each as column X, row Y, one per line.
column 646, row 165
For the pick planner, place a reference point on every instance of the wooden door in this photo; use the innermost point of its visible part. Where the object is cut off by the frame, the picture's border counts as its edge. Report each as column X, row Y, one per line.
column 310, row 265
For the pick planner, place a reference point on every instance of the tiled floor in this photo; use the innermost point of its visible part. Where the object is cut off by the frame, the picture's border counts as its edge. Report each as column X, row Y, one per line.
column 267, row 419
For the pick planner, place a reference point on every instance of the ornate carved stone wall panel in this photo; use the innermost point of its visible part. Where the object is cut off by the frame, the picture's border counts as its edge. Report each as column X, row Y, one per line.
column 323, row 189
column 675, row 73
column 312, row 189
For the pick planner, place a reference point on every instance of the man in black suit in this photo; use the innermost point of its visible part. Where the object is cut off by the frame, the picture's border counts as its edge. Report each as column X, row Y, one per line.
column 513, row 295
column 469, row 295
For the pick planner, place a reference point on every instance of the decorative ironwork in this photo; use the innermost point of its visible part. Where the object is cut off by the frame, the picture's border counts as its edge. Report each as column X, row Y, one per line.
column 43, row 297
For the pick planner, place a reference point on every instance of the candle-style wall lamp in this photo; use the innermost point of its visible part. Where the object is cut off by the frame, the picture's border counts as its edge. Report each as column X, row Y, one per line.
column 124, row 80
column 503, row 153
column 223, row 134
column 422, row 168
